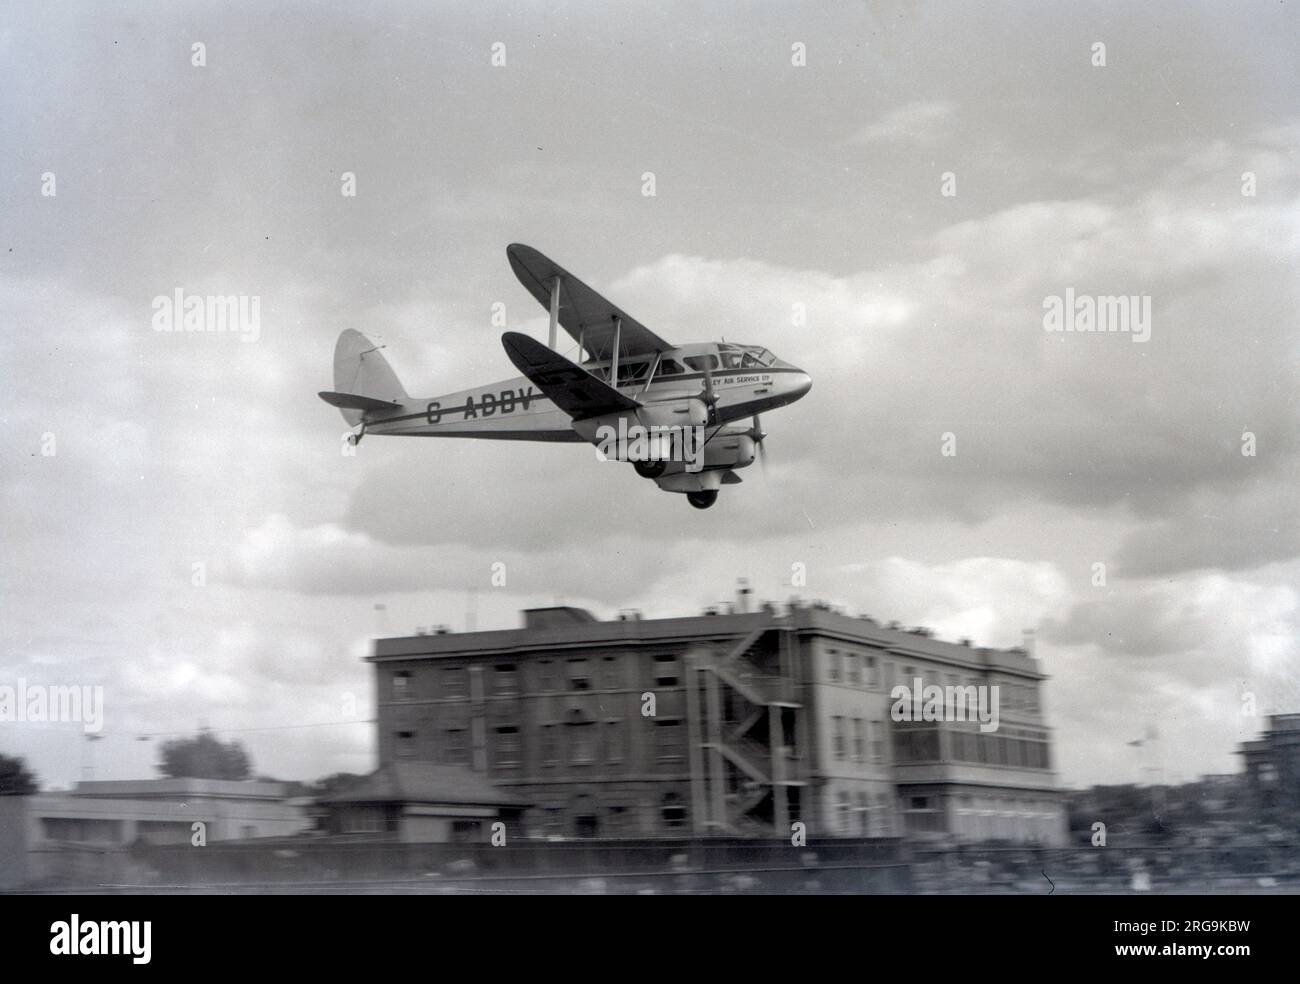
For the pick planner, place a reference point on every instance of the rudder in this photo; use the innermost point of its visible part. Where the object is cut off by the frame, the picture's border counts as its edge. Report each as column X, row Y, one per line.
column 361, row 369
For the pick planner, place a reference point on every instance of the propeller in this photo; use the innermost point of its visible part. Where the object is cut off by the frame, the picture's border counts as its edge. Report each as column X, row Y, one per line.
column 757, row 436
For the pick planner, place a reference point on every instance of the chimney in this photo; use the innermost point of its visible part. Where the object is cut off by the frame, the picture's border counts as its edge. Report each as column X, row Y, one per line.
column 742, row 596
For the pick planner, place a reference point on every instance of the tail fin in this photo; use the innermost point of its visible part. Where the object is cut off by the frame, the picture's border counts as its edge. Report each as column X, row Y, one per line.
column 360, row 370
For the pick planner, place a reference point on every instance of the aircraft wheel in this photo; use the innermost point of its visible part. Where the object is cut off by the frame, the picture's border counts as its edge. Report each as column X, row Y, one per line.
column 702, row 500
column 649, row 469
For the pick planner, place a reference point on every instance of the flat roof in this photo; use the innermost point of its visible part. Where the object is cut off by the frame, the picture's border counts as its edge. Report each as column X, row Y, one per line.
column 572, row 633
column 184, row 788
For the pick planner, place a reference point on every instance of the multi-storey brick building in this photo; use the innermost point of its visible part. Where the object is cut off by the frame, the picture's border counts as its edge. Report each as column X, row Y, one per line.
column 739, row 722
column 1272, row 764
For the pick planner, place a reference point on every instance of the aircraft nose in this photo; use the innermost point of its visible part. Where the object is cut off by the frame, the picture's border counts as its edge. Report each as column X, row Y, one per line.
column 802, row 384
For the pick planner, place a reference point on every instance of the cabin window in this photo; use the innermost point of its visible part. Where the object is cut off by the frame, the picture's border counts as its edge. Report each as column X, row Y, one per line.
column 702, row 363
column 669, row 367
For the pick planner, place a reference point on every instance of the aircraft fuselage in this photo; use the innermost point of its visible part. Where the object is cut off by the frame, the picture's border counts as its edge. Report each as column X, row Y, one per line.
column 514, row 409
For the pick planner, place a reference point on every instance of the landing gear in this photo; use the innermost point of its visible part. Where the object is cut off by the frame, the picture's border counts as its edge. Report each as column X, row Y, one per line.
column 649, row 469
column 702, row 500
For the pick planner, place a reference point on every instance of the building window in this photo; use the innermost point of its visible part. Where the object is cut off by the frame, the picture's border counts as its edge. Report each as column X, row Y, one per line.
column 548, row 752
column 965, row 746
column 455, row 746
column 616, row 821
column 582, row 742
column 859, row 740
column 402, row 685
column 609, row 673
column 665, row 670
column 505, row 679
column 674, row 812
column 876, row 731
column 864, row 814
column 837, row 737
column 870, row 680
column 668, row 740
column 613, row 741
column 546, row 675
column 833, row 665
column 455, row 682
column 1015, row 752
column 579, row 674
column 846, row 818
column 508, row 746
column 916, row 744
column 853, row 672
column 405, row 744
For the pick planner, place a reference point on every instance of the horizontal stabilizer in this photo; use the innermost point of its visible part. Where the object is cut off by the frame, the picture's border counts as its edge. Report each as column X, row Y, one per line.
column 352, row 401
column 569, row 386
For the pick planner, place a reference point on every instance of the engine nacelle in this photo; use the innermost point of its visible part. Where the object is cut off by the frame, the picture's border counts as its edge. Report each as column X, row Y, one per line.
column 664, row 431
column 724, row 453
column 690, row 412
column 730, row 451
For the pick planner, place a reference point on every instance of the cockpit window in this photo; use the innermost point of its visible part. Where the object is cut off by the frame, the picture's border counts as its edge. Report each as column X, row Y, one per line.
column 626, row 371
column 668, row 367
column 702, row 363
column 730, row 360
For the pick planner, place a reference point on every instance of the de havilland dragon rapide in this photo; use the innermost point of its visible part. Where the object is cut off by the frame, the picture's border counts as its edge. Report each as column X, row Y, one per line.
column 685, row 416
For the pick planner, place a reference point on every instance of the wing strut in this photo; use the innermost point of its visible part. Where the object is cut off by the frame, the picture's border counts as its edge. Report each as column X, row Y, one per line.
column 555, row 309
column 613, row 365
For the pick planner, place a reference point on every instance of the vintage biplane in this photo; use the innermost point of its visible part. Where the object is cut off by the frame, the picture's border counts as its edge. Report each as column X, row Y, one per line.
column 699, row 403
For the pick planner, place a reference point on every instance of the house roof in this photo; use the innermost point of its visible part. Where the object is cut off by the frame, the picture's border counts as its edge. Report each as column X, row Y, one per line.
column 424, row 782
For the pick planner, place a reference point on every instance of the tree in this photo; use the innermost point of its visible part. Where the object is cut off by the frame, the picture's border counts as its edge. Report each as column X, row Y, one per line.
column 15, row 780
column 335, row 783
column 204, row 757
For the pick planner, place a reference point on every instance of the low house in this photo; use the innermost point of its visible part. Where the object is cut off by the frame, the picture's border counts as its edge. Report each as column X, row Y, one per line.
column 82, row 835
column 421, row 802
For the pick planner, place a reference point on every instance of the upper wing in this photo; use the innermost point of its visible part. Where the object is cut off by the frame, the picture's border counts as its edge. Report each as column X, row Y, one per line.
column 570, row 387
column 584, row 314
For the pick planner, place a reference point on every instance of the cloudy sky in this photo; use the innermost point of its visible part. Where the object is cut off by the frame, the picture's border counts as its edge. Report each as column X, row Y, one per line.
column 776, row 185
